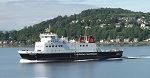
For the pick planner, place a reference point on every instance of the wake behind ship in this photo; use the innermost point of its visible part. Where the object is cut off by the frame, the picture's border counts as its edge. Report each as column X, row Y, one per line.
column 51, row 48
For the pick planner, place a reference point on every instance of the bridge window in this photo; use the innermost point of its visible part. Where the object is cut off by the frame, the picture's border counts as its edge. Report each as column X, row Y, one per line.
column 53, row 37
column 38, row 50
column 48, row 36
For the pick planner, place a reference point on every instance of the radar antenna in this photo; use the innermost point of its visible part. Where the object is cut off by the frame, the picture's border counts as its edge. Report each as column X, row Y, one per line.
column 86, row 28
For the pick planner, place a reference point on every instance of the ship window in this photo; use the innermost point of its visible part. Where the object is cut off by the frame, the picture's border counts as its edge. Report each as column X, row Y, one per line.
column 55, row 45
column 46, row 46
column 80, row 45
column 49, row 45
column 61, row 45
column 53, row 37
column 38, row 50
column 52, row 45
column 83, row 45
column 87, row 45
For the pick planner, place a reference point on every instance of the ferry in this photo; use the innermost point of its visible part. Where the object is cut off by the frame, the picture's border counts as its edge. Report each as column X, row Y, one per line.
column 51, row 48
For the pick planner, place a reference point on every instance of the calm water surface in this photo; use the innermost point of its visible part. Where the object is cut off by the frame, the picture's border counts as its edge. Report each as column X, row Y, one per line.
column 125, row 68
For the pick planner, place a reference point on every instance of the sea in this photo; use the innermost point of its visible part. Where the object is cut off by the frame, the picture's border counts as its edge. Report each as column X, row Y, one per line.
column 135, row 63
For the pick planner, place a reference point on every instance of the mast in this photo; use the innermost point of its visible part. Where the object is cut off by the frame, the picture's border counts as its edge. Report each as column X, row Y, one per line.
column 86, row 28
column 85, row 33
column 48, row 30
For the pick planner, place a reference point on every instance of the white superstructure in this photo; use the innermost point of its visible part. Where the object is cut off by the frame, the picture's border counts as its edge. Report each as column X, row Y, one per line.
column 50, row 43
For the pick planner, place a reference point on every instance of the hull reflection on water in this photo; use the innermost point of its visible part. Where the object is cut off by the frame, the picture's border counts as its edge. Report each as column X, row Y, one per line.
column 64, row 70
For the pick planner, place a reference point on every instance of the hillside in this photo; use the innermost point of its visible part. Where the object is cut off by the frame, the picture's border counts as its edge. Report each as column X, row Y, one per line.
column 105, row 23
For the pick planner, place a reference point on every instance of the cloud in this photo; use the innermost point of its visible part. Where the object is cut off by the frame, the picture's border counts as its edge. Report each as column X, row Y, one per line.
column 19, row 13
column 15, row 14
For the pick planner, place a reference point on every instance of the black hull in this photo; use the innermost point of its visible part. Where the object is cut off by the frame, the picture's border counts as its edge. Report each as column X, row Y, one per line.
column 71, row 56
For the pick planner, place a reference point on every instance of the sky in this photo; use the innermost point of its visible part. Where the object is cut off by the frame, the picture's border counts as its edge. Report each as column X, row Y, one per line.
column 16, row 14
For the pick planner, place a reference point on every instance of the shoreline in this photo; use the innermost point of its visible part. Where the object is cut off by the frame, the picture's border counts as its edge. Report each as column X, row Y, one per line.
column 99, row 44
column 125, row 44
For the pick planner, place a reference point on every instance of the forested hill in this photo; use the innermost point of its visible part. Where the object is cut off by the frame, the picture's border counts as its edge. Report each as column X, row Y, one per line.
column 105, row 23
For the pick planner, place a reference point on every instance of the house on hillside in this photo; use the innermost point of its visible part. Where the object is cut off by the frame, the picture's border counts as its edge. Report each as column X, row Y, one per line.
column 135, row 40
column 118, row 25
column 145, row 26
column 1, row 42
column 127, row 40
